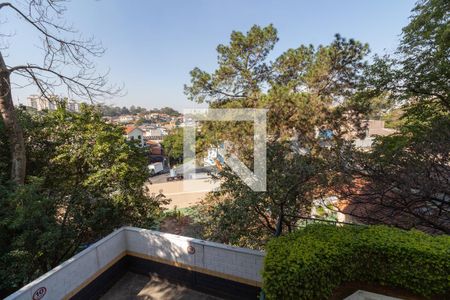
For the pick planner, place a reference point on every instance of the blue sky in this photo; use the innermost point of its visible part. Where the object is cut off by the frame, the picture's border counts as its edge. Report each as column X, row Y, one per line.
column 152, row 45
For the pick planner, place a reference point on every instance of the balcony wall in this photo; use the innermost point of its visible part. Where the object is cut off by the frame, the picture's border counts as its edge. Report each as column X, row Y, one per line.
column 232, row 264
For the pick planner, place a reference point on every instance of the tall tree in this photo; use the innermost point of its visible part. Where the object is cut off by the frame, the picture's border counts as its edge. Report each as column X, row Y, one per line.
column 312, row 97
column 60, row 49
column 84, row 181
column 405, row 180
column 173, row 146
column 242, row 70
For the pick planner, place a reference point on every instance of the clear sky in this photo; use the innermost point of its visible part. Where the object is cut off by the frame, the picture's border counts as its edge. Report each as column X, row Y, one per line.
column 152, row 45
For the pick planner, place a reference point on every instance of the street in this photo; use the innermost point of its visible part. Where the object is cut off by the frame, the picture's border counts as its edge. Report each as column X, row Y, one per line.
column 181, row 195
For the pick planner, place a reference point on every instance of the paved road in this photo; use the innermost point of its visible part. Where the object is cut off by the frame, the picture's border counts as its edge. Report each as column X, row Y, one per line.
column 184, row 193
column 159, row 178
column 200, row 172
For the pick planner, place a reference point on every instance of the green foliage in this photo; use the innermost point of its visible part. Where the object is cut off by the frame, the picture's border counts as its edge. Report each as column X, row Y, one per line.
column 406, row 175
column 114, row 111
column 242, row 67
column 4, row 154
column 393, row 118
column 238, row 215
column 419, row 71
column 84, row 180
column 305, row 90
column 310, row 263
column 30, row 235
column 168, row 111
column 173, row 145
column 425, row 52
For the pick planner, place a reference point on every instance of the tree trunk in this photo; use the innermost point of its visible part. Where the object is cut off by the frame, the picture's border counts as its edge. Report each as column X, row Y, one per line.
column 279, row 229
column 13, row 129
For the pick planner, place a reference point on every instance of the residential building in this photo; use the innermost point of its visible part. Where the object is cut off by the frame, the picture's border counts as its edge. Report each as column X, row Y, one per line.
column 52, row 103
column 155, row 147
column 124, row 119
column 133, row 133
column 155, row 134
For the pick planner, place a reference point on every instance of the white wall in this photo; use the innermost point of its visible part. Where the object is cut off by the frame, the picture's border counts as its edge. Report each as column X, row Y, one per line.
column 220, row 260
column 71, row 274
column 137, row 135
column 240, row 264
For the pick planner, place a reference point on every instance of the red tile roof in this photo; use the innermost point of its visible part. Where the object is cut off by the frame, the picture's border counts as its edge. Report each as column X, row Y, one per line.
column 129, row 129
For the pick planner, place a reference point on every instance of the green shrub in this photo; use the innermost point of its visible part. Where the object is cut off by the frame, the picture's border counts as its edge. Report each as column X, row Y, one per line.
column 311, row 262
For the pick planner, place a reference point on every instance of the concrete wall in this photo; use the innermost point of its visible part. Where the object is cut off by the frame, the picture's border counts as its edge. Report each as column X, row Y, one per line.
column 71, row 274
column 238, row 264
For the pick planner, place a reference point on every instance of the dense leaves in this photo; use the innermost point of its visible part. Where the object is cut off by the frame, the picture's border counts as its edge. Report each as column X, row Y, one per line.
column 238, row 215
column 173, row 146
column 242, row 70
column 114, row 111
column 312, row 99
column 311, row 263
column 405, row 180
column 84, row 180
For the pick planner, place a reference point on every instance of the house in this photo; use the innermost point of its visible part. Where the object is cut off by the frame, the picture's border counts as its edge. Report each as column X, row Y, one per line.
column 364, row 204
column 133, row 133
column 124, row 119
column 155, row 147
column 169, row 126
column 155, row 134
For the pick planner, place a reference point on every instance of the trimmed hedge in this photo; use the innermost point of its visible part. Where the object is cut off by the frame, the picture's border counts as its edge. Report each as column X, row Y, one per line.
column 310, row 263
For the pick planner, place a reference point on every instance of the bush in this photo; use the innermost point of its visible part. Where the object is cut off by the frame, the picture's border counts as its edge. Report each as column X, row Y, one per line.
column 310, row 263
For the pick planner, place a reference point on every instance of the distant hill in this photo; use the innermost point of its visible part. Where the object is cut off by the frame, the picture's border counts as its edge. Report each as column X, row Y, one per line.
column 114, row 111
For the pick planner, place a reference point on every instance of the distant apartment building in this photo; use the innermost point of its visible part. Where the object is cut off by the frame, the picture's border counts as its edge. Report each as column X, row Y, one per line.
column 52, row 103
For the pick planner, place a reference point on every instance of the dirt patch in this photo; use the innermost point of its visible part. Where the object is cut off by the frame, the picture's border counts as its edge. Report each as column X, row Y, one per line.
column 180, row 225
column 152, row 287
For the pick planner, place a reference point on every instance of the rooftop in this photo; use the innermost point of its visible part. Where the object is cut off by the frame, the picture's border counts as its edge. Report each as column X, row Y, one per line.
column 152, row 286
column 134, row 263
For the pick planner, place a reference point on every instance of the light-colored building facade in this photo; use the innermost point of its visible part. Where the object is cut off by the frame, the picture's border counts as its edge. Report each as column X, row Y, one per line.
column 155, row 134
column 52, row 103
column 135, row 134
column 126, row 119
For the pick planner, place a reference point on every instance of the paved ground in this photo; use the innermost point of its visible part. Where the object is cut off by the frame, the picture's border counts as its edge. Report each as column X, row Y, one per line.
column 183, row 193
column 139, row 287
column 161, row 178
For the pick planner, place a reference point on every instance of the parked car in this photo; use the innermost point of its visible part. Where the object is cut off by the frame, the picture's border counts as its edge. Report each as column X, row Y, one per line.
column 155, row 168
column 174, row 176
